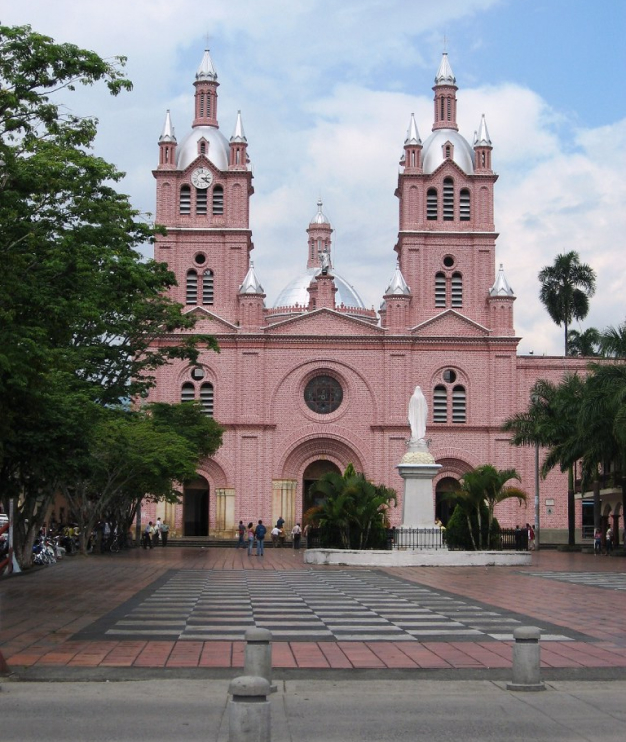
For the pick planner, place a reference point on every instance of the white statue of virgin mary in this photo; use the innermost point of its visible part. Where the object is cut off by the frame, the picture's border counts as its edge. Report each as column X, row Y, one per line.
column 418, row 411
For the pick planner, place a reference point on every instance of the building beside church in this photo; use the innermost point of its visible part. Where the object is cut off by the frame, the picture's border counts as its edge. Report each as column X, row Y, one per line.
column 315, row 380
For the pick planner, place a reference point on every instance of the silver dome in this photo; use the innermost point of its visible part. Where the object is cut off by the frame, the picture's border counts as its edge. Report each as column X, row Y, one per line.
column 433, row 154
column 188, row 151
column 295, row 292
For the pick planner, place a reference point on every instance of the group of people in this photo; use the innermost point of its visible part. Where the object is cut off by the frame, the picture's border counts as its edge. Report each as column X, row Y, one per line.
column 248, row 535
column 154, row 533
column 608, row 541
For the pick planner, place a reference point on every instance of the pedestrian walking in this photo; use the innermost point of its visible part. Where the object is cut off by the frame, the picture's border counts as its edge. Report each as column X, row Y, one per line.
column 296, row 535
column 147, row 536
column 259, row 533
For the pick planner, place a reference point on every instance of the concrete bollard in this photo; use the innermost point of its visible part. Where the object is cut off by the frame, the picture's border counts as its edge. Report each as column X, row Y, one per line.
column 249, row 711
column 258, row 655
column 526, row 660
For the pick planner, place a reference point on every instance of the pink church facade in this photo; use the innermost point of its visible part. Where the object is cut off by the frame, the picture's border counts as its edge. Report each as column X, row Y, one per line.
column 317, row 381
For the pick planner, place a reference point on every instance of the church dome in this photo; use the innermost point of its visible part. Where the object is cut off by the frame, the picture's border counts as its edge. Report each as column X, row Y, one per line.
column 433, row 154
column 295, row 292
column 217, row 152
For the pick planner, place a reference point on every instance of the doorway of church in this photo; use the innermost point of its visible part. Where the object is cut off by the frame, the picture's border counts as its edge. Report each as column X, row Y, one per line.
column 196, row 508
column 312, row 473
column 444, row 507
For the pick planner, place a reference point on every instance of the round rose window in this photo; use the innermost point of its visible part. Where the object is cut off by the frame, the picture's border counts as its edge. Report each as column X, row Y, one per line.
column 323, row 394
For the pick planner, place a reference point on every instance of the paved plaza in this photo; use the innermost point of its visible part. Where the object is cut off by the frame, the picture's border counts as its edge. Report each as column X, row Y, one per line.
column 187, row 610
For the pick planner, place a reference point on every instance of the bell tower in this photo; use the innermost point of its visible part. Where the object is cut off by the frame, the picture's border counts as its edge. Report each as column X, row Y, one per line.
column 446, row 241
column 204, row 184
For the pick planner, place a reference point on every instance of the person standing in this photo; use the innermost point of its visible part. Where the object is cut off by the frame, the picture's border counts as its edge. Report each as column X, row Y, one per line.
column 259, row 533
column 597, row 542
column 609, row 540
column 250, row 537
column 280, row 522
column 531, row 536
column 241, row 533
column 296, row 535
column 147, row 536
column 275, row 533
column 165, row 529
column 157, row 532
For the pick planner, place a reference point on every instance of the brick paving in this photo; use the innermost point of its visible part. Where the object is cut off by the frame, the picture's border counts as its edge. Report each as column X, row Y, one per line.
column 46, row 615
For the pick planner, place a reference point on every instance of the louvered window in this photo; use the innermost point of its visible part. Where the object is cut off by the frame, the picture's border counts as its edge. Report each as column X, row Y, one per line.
column 218, row 200
column 192, row 287
column 206, row 398
column 448, row 199
column 201, row 201
column 457, row 290
column 185, row 200
column 431, row 204
column 207, row 287
column 201, row 104
column 187, row 392
column 440, row 404
column 440, row 290
column 459, row 406
column 464, row 205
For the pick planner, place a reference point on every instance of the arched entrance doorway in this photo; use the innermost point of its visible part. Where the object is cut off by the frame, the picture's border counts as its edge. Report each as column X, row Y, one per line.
column 312, row 473
column 196, row 508
column 443, row 506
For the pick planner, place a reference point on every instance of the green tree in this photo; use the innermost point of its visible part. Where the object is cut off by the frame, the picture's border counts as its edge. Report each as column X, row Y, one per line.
column 80, row 308
column 354, row 513
column 132, row 454
column 482, row 489
column 613, row 341
column 552, row 422
column 566, row 288
column 583, row 344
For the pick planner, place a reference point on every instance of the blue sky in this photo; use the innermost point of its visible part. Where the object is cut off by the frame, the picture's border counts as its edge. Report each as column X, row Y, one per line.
column 326, row 89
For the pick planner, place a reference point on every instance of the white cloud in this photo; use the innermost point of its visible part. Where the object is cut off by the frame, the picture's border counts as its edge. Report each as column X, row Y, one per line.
column 326, row 90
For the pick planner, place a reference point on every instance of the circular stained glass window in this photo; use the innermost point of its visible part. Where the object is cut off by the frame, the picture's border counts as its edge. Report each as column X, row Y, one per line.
column 323, row 394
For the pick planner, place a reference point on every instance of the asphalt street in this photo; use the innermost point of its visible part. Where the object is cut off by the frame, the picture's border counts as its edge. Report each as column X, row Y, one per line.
column 315, row 711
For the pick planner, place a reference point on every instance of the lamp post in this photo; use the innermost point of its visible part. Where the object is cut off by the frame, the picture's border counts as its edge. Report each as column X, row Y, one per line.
column 537, row 509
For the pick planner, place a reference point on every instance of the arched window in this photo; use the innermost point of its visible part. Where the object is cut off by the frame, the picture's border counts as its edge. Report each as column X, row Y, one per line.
column 440, row 404
column 184, row 203
column 201, row 104
column 192, row 287
column 206, row 398
column 464, row 205
column 448, row 151
column 457, row 290
column 187, row 392
column 218, row 200
column 440, row 290
column 448, row 199
column 207, row 287
column 431, row 204
column 201, row 200
column 202, row 148
column 459, row 405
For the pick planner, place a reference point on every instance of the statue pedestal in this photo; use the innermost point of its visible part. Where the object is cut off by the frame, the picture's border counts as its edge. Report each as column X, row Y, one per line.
column 418, row 469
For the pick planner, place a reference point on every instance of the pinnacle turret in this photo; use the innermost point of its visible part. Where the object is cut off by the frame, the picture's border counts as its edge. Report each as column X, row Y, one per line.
column 206, row 70
column 168, row 134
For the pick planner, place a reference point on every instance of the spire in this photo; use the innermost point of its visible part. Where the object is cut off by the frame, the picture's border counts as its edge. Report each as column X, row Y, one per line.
column 412, row 134
column 168, row 134
column 238, row 135
column 397, row 285
column 251, row 283
column 320, row 217
column 444, row 75
column 206, row 70
column 501, row 285
column 482, row 137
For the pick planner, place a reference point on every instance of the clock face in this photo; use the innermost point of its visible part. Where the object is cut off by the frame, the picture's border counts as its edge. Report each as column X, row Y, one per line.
column 202, row 177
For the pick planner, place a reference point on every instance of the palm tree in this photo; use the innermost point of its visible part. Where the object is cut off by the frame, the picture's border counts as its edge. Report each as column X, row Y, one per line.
column 566, row 288
column 354, row 509
column 612, row 341
column 485, row 486
column 584, row 343
column 551, row 421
